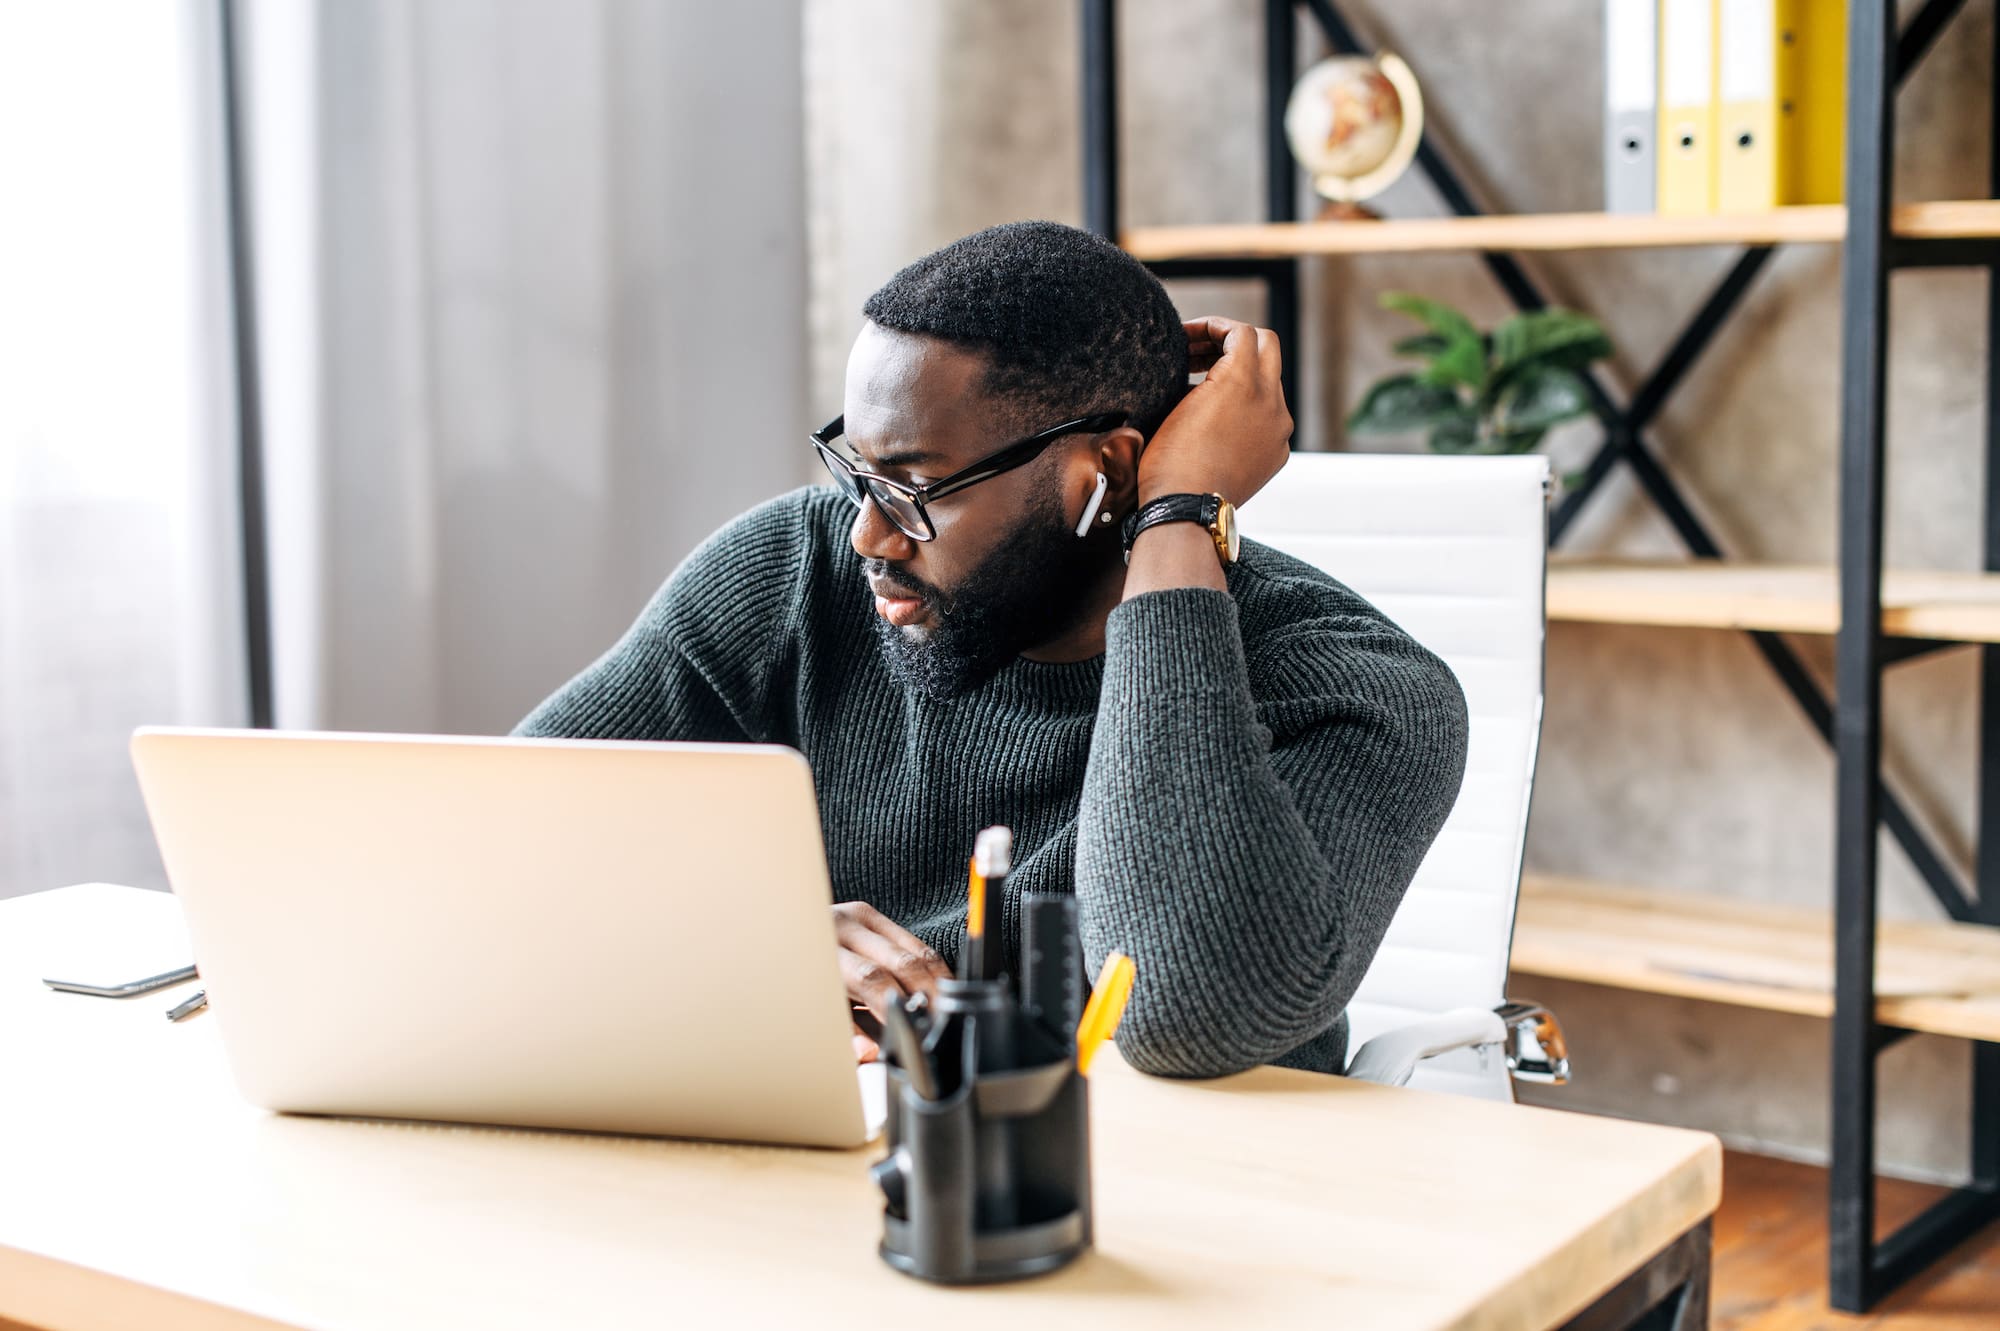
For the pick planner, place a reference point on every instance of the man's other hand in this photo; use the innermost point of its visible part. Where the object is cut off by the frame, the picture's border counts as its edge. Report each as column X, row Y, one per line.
column 1232, row 432
column 880, row 959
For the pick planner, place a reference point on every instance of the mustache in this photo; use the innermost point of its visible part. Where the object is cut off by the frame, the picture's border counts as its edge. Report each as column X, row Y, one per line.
column 878, row 571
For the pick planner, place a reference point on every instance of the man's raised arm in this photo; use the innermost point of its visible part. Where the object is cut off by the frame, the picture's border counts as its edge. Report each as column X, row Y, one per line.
column 1251, row 880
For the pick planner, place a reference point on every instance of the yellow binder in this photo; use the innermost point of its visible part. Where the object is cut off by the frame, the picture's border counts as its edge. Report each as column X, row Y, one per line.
column 1687, row 106
column 1780, row 76
column 1812, row 93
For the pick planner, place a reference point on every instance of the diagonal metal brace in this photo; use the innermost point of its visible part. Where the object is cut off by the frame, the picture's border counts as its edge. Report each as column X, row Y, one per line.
column 1625, row 441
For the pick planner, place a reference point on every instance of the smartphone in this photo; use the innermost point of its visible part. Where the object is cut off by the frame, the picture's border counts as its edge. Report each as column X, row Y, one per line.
column 122, row 988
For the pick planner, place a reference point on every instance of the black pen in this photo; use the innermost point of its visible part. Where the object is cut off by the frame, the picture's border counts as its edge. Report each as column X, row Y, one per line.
column 909, row 1049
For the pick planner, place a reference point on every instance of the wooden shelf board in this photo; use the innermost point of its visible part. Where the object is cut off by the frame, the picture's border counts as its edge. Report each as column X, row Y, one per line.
column 1956, row 607
column 1942, row 978
column 1814, row 224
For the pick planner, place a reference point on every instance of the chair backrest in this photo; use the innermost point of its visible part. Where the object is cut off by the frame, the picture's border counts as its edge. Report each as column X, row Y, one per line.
column 1455, row 550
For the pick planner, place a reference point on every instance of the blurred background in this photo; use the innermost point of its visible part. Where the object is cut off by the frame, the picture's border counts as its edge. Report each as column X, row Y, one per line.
column 546, row 290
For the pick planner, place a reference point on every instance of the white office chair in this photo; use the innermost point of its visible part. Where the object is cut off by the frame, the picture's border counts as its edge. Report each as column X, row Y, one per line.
column 1455, row 550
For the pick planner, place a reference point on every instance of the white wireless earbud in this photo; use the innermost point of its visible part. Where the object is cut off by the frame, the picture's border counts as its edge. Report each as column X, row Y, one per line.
column 1090, row 509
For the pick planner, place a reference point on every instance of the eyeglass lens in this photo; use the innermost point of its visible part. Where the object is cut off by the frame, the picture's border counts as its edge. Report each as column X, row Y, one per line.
column 898, row 507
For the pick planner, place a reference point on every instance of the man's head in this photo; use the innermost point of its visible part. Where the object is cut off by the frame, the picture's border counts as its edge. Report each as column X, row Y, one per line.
column 996, row 337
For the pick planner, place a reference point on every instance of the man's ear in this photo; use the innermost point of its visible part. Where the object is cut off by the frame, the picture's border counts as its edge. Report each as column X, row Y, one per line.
column 1118, row 458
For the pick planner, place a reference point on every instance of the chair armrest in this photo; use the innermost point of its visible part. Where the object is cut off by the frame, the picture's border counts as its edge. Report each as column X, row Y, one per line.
column 1392, row 1056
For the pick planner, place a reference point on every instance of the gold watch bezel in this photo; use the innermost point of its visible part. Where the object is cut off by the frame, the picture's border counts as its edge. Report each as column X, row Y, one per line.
column 1228, row 542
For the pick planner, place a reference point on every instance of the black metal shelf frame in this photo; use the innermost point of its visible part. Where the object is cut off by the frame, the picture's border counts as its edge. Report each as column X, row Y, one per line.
column 1861, row 1271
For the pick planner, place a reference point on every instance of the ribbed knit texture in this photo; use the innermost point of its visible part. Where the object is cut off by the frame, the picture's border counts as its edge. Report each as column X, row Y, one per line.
column 1238, row 791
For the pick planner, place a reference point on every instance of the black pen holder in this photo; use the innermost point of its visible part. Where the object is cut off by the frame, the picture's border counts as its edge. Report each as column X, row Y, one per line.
column 990, row 1181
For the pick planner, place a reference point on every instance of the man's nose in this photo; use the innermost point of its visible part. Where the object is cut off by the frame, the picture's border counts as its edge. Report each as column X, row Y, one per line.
column 873, row 536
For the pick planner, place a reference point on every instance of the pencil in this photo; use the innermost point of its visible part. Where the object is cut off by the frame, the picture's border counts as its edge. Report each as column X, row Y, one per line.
column 974, row 959
column 992, row 860
column 1106, row 1006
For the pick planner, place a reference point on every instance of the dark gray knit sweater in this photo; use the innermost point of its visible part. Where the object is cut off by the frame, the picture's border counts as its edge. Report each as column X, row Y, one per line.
column 1238, row 791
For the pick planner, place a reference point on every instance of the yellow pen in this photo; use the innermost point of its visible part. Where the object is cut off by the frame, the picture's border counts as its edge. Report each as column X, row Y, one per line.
column 1106, row 1006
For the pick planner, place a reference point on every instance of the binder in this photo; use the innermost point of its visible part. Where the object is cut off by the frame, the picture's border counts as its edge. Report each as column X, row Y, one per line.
column 1631, row 104
column 1812, row 100
column 1687, row 107
column 1748, row 147
column 1780, row 82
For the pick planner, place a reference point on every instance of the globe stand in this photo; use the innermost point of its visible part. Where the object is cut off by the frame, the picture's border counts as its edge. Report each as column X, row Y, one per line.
column 1342, row 211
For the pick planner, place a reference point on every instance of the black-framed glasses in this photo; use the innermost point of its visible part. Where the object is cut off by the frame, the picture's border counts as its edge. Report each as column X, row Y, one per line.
column 904, row 504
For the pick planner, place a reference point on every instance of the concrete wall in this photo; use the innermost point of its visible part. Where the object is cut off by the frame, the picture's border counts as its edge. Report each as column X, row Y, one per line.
column 1671, row 758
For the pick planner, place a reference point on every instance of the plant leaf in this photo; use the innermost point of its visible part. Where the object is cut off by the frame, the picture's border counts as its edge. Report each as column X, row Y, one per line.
column 1459, row 363
column 1422, row 344
column 1403, row 402
column 1459, row 356
column 1518, row 441
column 1537, row 397
column 1457, row 435
column 1432, row 314
column 1562, row 337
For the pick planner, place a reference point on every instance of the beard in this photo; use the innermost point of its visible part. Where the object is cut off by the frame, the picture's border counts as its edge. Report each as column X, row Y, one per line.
column 1032, row 588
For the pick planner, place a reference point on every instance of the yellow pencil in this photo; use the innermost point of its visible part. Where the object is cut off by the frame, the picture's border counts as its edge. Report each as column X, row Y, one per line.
column 1106, row 1006
column 969, row 965
column 975, row 907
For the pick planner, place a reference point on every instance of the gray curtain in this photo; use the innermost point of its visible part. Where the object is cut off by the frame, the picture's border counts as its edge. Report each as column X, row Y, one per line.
column 118, row 551
column 541, row 331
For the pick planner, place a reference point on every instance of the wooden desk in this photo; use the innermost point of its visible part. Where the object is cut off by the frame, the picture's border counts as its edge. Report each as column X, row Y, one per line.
column 137, row 1190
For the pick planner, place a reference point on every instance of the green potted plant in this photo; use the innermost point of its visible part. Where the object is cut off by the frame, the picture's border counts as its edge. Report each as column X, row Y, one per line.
column 1496, row 392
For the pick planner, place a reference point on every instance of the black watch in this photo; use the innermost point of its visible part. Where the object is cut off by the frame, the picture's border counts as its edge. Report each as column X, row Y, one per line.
column 1212, row 511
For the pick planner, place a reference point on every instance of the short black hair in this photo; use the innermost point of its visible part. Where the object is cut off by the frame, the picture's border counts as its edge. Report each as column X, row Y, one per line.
column 1071, row 325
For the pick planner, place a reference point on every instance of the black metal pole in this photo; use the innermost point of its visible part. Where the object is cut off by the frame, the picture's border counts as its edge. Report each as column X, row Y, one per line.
column 1985, row 1054
column 249, row 391
column 1281, row 187
column 1100, row 117
column 1864, row 280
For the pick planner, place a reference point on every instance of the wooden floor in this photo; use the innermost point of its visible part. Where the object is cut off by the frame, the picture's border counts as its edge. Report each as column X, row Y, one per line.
column 1770, row 1258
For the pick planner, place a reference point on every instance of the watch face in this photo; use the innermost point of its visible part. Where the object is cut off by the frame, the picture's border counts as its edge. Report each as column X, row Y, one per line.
column 1226, row 535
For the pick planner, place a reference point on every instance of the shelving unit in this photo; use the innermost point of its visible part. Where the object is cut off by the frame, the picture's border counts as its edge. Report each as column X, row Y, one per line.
column 1941, row 977
column 1941, row 609
column 1823, row 224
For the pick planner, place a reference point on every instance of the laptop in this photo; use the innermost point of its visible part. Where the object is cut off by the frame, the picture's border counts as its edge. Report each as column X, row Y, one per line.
column 594, row 935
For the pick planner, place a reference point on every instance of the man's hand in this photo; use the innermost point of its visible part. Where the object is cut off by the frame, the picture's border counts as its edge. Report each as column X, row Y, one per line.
column 1232, row 432
column 880, row 959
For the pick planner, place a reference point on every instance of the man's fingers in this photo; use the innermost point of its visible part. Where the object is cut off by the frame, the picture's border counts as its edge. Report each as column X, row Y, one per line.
column 1212, row 339
column 1204, row 337
column 1270, row 357
column 868, row 982
column 1210, row 328
column 877, row 940
column 865, row 1049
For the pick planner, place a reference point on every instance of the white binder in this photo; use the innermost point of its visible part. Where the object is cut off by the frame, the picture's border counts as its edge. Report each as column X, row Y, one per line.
column 1687, row 107
column 1631, row 106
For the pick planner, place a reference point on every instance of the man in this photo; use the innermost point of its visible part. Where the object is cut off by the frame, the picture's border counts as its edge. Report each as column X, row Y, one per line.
column 1235, row 764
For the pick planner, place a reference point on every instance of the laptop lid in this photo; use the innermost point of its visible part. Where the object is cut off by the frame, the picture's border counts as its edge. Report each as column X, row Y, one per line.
column 597, row 935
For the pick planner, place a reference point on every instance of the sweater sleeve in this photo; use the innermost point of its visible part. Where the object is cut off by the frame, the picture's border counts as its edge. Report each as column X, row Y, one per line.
column 1252, row 880
column 698, row 662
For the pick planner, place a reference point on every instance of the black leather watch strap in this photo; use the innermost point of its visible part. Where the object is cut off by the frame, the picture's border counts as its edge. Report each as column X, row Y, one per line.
column 1169, row 508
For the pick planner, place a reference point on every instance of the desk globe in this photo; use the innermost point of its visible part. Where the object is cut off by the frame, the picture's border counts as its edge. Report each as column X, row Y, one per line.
column 1353, row 123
